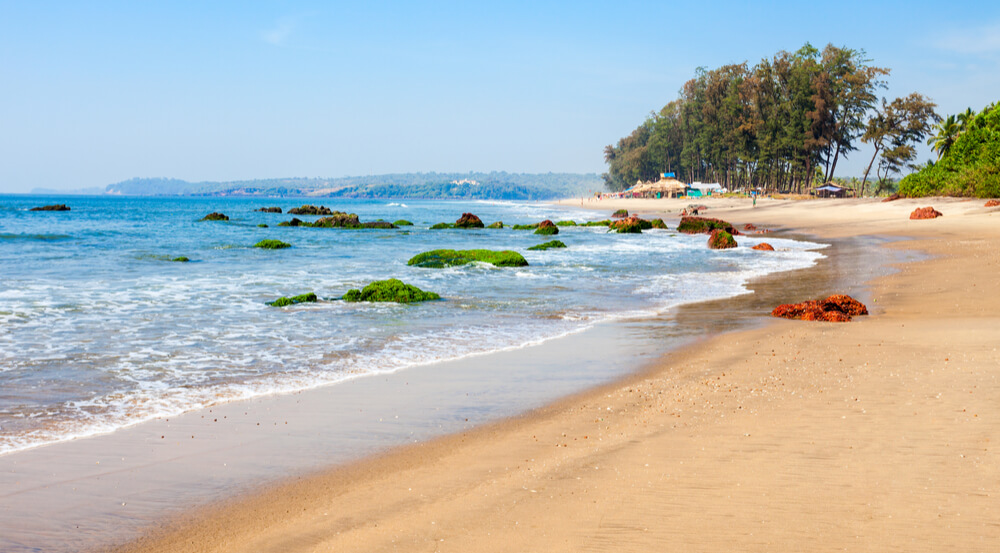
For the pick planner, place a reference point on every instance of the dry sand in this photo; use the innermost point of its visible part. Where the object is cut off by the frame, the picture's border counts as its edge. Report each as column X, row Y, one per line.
column 875, row 435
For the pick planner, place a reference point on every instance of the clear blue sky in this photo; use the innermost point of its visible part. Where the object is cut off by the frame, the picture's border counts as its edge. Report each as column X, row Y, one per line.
column 97, row 92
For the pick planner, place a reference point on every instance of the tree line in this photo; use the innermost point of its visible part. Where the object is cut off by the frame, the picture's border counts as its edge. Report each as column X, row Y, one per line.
column 780, row 125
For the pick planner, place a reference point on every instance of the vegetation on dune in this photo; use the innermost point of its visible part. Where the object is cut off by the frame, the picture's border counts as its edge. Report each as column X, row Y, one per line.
column 391, row 290
column 438, row 259
column 548, row 245
column 272, row 244
column 781, row 125
column 302, row 298
column 969, row 162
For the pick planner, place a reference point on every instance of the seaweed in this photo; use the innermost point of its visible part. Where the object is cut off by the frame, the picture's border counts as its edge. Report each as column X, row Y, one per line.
column 438, row 259
column 301, row 298
column 391, row 290
column 272, row 244
column 548, row 245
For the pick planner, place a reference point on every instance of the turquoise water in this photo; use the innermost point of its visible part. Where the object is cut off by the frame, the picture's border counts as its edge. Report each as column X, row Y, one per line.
column 98, row 330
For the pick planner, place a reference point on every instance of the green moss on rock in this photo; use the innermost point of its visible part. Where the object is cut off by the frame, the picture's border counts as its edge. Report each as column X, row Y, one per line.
column 698, row 225
column 262, row 225
column 532, row 226
column 403, row 223
column 604, row 223
column 620, row 213
column 566, row 223
column 721, row 240
column 215, row 216
column 302, row 298
column 657, row 223
column 272, row 244
column 548, row 245
column 498, row 224
column 391, row 290
column 547, row 231
column 439, row 226
column 180, row 259
column 438, row 259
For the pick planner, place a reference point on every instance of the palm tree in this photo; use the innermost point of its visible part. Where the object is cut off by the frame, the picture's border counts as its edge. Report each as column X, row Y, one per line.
column 947, row 131
column 965, row 119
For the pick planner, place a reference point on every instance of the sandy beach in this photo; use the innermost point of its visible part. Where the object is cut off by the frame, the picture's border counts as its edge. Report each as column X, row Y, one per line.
column 872, row 435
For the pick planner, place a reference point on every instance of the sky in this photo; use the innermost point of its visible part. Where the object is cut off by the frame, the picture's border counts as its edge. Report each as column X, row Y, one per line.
column 93, row 93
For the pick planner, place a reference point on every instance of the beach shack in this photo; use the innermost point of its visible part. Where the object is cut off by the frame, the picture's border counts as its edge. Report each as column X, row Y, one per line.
column 830, row 190
column 700, row 189
column 666, row 187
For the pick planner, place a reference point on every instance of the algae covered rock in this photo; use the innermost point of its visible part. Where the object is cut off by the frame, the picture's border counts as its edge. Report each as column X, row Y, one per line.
column 264, row 225
column 548, row 245
column 272, row 245
column 270, row 210
column 391, row 290
column 54, row 207
column 468, row 220
column 498, row 224
column 439, row 226
column 704, row 225
column 295, row 222
column 566, row 223
column 604, row 223
column 629, row 225
column 180, row 259
column 403, row 223
column 658, row 224
column 337, row 219
column 621, row 213
column 310, row 210
column 214, row 216
column 547, row 228
column 302, row 298
column 439, row 259
column 530, row 226
column 721, row 240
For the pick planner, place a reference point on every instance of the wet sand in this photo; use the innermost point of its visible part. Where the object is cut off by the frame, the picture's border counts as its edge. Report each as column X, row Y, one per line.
column 872, row 435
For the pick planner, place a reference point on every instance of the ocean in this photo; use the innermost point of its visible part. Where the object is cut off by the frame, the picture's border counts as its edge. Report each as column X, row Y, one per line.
column 99, row 330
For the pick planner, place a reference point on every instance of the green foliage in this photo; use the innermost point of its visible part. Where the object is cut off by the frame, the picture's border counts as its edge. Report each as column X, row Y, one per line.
column 894, row 130
column 392, row 290
column 767, row 125
column 547, row 231
column 566, row 223
column 438, row 259
column 548, row 245
column 272, row 244
column 403, row 223
column 180, row 259
column 301, row 298
column 970, row 167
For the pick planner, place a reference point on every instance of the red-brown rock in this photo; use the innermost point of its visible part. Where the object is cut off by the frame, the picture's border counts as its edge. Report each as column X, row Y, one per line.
column 749, row 226
column 468, row 220
column 925, row 213
column 764, row 247
column 838, row 308
column 992, row 203
column 893, row 198
column 721, row 240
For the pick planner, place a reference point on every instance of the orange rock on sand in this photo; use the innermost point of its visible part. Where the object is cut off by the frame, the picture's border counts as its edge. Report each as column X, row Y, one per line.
column 838, row 308
column 925, row 213
column 992, row 203
column 763, row 246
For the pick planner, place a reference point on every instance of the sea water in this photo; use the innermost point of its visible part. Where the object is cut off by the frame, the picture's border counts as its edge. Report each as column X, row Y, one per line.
column 99, row 330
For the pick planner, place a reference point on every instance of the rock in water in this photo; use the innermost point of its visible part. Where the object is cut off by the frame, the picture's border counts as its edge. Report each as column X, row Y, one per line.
column 302, row 298
column 749, row 226
column 925, row 213
column 214, row 216
column 391, row 290
column 439, row 259
column 272, row 245
column 468, row 220
column 548, row 245
column 547, row 228
column 704, row 225
column 628, row 225
column 620, row 214
column 310, row 210
column 54, row 207
column 721, row 240
column 270, row 210
column 763, row 246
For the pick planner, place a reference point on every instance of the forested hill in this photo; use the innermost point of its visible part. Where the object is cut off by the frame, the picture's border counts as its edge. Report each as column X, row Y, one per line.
column 494, row 185
column 969, row 162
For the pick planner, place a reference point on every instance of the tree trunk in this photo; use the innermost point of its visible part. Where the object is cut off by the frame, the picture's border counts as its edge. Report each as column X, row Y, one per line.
column 865, row 180
column 833, row 168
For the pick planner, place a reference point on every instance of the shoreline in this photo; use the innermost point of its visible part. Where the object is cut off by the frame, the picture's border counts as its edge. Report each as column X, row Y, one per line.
column 798, row 412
